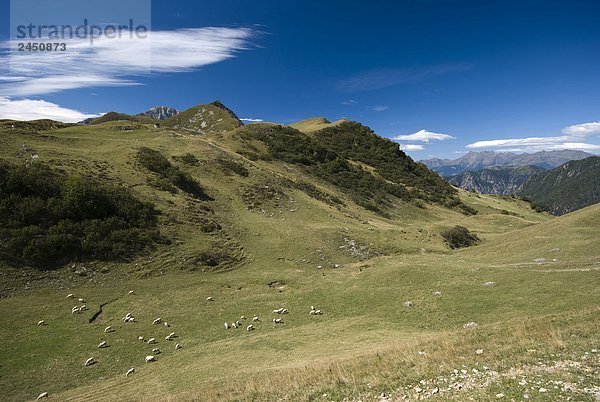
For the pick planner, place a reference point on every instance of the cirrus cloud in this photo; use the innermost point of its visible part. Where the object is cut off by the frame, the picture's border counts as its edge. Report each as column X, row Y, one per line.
column 411, row 147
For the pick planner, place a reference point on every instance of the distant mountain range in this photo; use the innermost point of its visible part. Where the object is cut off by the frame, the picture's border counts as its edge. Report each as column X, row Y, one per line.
column 502, row 180
column 160, row 112
column 475, row 161
column 569, row 187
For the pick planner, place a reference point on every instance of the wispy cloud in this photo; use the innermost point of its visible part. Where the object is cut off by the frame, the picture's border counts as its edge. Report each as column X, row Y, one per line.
column 251, row 120
column 423, row 136
column 379, row 108
column 349, row 102
column 117, row 62
column 411, row 147
column 29, row 109
column 384, row 78
column 573, row 138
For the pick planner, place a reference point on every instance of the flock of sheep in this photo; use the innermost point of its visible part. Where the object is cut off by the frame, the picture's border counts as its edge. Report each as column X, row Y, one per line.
column 129, row 318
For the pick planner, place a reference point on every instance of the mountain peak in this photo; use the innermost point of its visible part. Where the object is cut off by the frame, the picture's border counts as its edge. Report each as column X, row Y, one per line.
column 160, row 112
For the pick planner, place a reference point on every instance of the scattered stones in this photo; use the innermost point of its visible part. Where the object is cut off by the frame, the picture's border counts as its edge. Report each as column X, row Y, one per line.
column 540, row 260
column 500, row 395
column 437, row 293
column 408, row 304
column 490, row 283
column 479, row 351
column 470, row 325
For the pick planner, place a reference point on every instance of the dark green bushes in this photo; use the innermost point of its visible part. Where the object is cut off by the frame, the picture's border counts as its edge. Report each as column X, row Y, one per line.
column 48, row 219
column 159, row 164
column 460, row 236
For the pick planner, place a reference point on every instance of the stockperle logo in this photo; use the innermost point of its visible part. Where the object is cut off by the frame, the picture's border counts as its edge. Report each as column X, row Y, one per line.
column 72, row 28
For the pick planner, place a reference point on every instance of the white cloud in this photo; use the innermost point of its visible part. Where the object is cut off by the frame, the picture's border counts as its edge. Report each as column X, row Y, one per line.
column 379, row 108
column 30, row 109
column 111, row 62
column 251, row 120
column 349, row 102
column 423, row 136
column 583, row 130
column 572, row 139
column 411, row 147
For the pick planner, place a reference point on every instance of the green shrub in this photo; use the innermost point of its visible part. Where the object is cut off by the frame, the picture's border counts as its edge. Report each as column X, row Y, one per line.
column 48, row 219
column 460, row 236
column 159, row 164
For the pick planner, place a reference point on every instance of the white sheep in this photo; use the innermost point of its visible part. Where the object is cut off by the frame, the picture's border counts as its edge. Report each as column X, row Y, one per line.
column 41, row 322
column 103, row 344
column 318, row 312
column 173, row 335
column 131, row 292
column 83, row 308
column 156, row 351
column 75, row 310
column 250, row 327
column 70, row 296
column 226, row 325
column 151, row 341
column 178, row 346
column 168, row 338
column 89, row 361
column 243, row 317
column 150, row 359
column 130, row 371
column 157, row 321
column 255, row 319
column 42, row 395
column 233, row 325
column 140, row 338
column 81, row 300
column 131, row 319
column 209, row 298
column 166, row 324
column 284, row 311
column 108, row 329
column 238, row 324
column 277, row 320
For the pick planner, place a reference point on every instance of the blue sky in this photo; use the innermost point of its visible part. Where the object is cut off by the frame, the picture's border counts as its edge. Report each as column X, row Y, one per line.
column 482, row 75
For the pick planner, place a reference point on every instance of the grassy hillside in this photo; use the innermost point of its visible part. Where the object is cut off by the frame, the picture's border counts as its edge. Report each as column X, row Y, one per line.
column 276, row 234
column 567, row 188
column 213, row 117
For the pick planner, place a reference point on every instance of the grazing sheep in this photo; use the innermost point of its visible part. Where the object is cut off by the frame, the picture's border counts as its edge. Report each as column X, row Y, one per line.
column 243, row 317
column 470, row 325
column 41, row 322
column 130, row 371
column 89, row 361
column 150, row 359
column 168, row 338
column 140, row 338
column 42, row 395
column 75, row 310
column 422, row 353
column 166, row 324
column 226, row 326
column 103, row 344
column 284, row 311
column 437, row 293
column 209, row 299
column 151, row 341
column 157, row 321
column 238, row 324
column 277, row 320
column 408, row 304
column 131, row 319
column 81, row 301
column 178, row 346
column 108, row 329
column 70, row 296
column 173, row 335
column 255, row 319
column 82, row 308
column 250, row 327
column 233, row 325
column 312, row 312
column 156, row 351
column 318, row 312
column 131, row 292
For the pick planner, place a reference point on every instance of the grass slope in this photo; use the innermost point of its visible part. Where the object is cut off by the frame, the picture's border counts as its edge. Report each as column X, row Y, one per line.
column 266, row 237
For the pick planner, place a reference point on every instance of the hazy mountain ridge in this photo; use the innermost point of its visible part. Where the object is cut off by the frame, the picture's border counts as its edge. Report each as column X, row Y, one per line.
column 495, row 180
column 474, row 161
column 569, row 187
